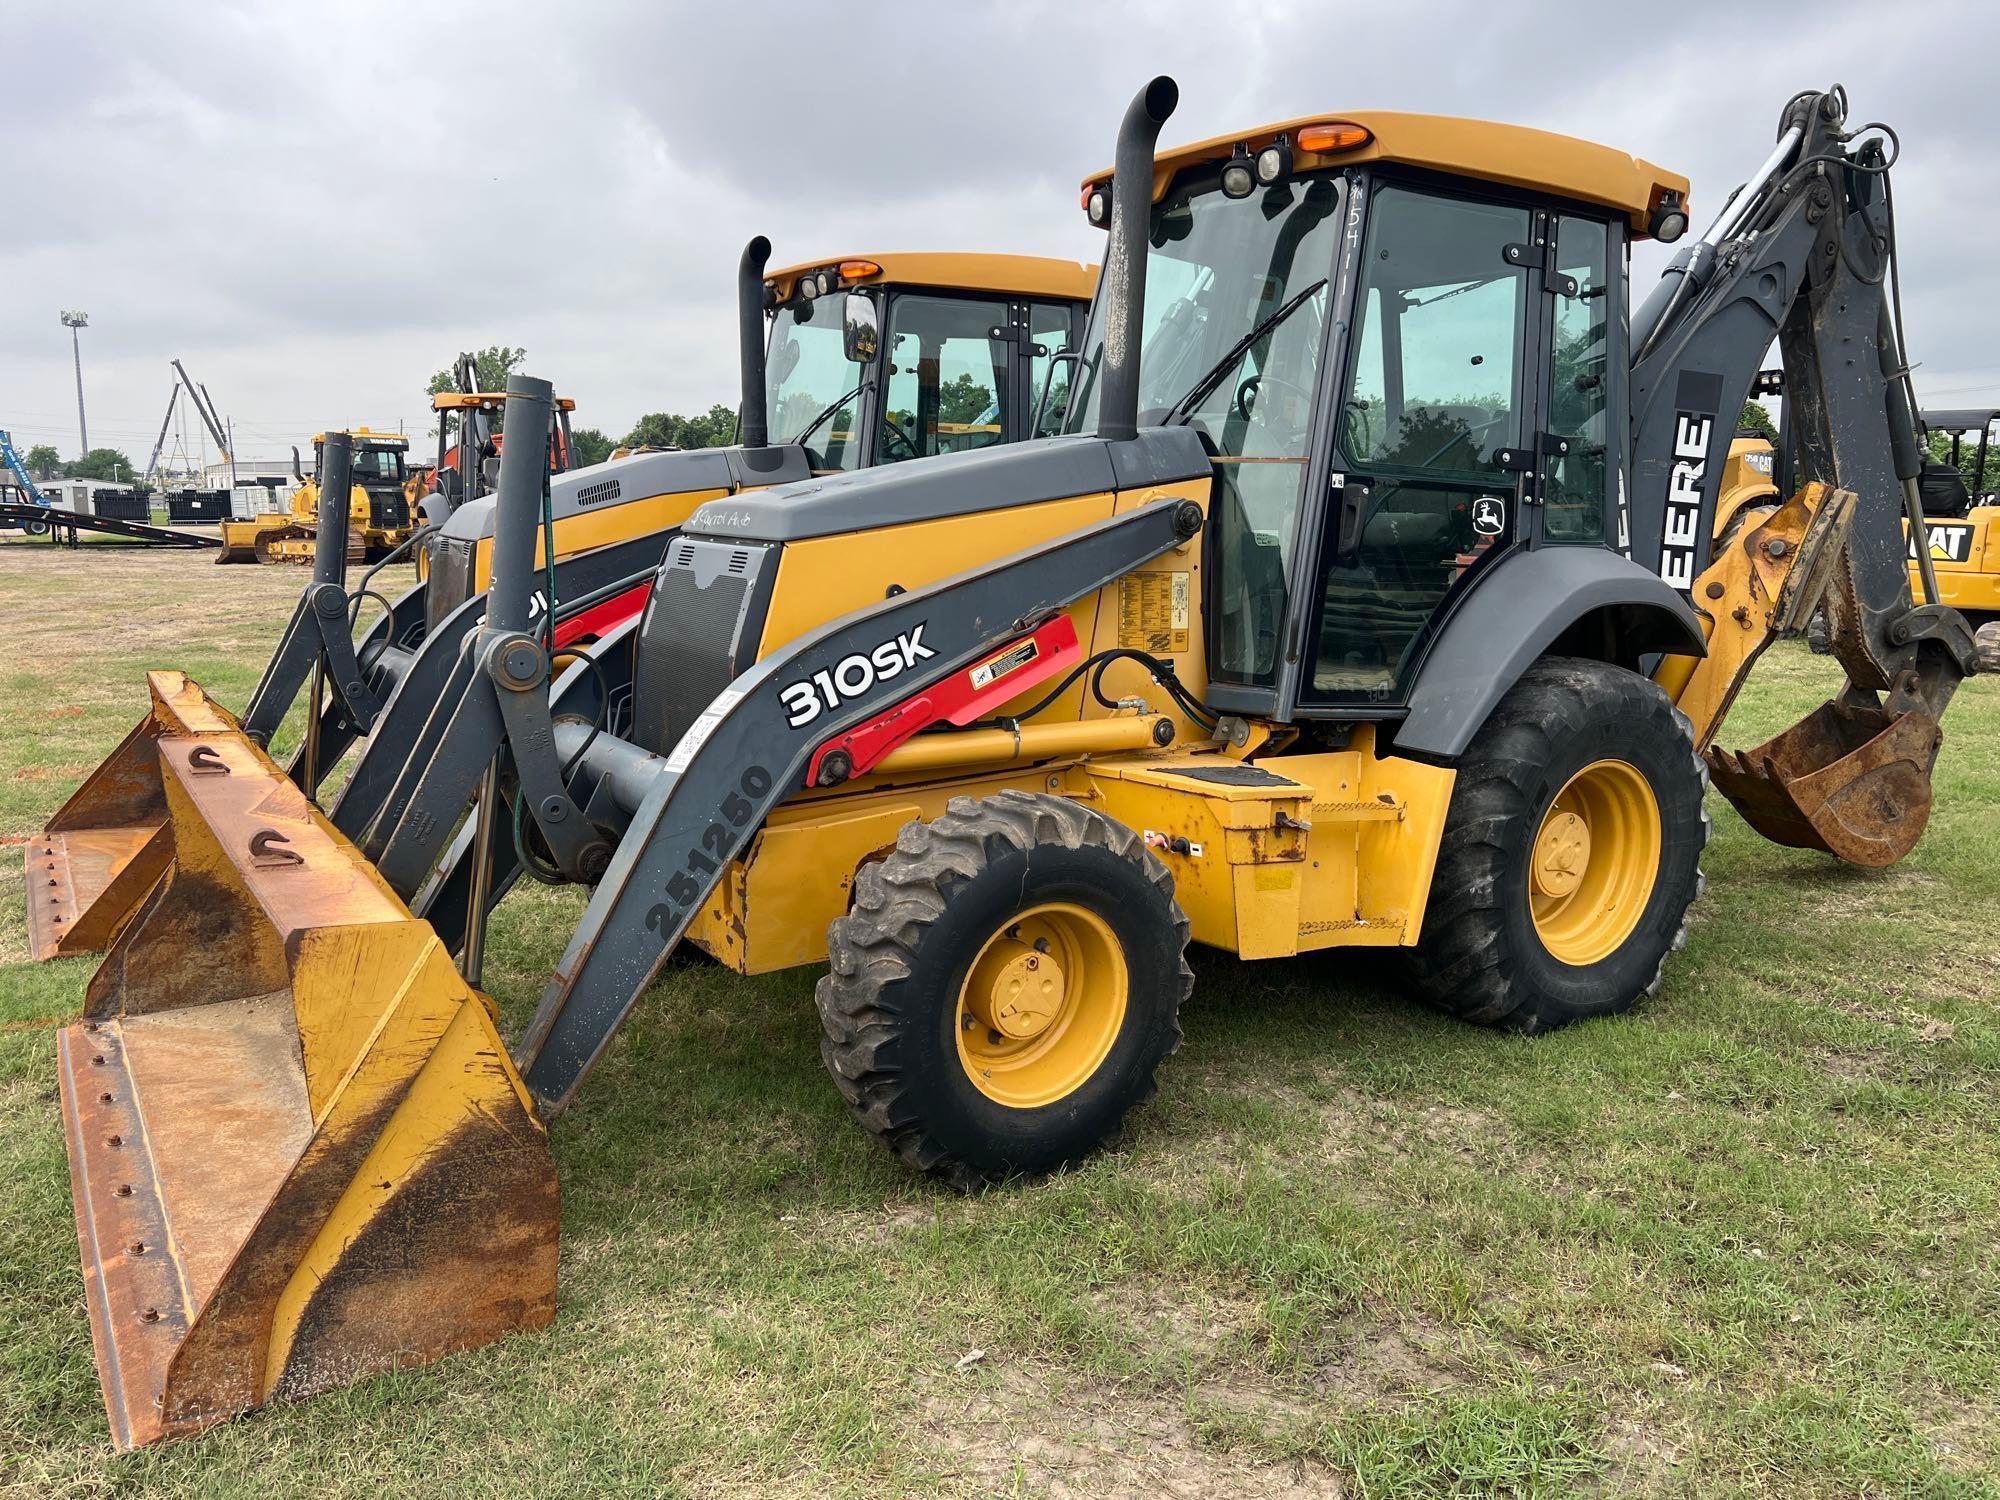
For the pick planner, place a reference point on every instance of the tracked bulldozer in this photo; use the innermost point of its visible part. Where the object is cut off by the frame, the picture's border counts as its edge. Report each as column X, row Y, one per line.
column 1367, row 600
column 983, row 330
column 382, row 503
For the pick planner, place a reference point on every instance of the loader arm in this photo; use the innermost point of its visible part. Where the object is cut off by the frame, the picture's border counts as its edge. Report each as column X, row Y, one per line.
column 1803, row 254
column 750, row 751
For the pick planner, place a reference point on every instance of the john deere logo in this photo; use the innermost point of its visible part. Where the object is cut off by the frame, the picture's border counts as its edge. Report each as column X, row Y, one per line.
column 1489, row 516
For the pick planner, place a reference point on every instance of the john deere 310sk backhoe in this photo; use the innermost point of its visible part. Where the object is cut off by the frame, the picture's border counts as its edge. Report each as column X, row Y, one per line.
column 1368, row 601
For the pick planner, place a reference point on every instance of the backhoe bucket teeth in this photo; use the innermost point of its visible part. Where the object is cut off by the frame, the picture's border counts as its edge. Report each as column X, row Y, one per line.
column 298, row 1150
column 1851, row 780
column 93, row 864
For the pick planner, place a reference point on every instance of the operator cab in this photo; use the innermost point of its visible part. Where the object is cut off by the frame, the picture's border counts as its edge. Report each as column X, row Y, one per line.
column 1404, row 369
column 1943, row 485
column 910, row 362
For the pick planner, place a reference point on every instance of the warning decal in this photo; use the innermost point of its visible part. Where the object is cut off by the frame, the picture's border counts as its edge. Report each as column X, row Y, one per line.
column 1011, row 660
column 1153, row 611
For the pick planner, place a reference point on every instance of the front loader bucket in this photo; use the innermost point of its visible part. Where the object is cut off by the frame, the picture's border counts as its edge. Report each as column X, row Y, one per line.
column 298, row 1150
column 1851, row 780
column 89, row 869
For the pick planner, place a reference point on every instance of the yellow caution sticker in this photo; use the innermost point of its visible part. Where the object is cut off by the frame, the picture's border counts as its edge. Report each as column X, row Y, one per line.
column 1153, row 611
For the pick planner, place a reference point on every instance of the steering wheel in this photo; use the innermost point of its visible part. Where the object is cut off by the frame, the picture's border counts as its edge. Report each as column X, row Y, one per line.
column 893, row 433
column 1246, row 393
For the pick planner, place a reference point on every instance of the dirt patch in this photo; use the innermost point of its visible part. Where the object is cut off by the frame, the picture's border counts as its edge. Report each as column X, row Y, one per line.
column 1021, row 1429
column 1924, row 1028
column 51, row 773
column 862, row 1229
column 1963, row 1438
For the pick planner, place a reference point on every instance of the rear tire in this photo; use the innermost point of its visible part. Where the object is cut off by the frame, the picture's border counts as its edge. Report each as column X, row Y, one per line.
column 998, row 894
column 1571, row 854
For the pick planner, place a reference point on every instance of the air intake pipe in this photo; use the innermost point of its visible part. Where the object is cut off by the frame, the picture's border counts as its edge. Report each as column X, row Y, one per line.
column 753, row 428
column 1124, row 283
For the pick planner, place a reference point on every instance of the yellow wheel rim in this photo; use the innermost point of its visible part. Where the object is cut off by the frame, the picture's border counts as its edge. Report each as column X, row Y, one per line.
column 1593, row 862
column 1041, row 1005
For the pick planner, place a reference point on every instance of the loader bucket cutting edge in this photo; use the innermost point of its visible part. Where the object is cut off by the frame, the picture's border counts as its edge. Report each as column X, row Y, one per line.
column 1849, row 780
column 298, row 1150
column 89, row 869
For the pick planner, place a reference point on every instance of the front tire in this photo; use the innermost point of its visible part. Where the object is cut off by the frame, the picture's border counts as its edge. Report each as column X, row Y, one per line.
column 1571, row 853
column 1004, row 987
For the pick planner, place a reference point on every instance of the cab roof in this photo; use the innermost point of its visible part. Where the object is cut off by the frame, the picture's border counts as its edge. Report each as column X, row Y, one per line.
column 1960, row 419
column 369, row 437
column 1017, row 275
column 1537, row 160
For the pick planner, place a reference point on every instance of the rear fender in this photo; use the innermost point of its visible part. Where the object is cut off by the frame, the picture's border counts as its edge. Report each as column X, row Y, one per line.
column 1582, row 601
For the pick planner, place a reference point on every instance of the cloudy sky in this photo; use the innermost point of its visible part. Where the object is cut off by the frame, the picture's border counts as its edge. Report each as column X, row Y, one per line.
column 316, row 206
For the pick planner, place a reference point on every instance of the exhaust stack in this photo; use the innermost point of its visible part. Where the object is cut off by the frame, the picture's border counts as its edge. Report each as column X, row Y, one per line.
column 1124, row 283
column 753, row 429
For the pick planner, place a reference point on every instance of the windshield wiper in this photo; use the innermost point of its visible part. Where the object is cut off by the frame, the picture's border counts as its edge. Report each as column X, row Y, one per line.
column 813, row 426
column 1199, row 392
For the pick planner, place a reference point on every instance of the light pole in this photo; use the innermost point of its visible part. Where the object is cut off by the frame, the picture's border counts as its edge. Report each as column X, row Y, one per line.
column 73, row 321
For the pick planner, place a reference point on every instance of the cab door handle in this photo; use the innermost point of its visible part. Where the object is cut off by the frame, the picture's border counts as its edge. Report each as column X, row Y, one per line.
column 1350, row 492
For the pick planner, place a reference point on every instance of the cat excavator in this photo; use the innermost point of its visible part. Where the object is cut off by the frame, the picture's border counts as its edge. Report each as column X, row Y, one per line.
column 1366, row 599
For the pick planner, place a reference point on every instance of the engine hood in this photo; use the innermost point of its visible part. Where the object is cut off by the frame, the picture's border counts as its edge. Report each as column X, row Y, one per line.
column 954, row 484
column 640, row 476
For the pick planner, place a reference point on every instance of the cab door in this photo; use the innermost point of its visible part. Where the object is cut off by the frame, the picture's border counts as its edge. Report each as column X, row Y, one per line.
column 1430, row 459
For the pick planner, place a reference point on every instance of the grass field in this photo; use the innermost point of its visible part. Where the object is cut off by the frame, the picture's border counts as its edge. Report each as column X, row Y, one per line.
column 1741, row 1241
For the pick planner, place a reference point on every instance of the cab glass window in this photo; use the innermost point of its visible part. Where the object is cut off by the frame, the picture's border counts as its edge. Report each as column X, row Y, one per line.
column 813, row 389
column 1051, row 330
column 947, row 389
column 1431, row 397
column 1434, row 384
column 1574, row 482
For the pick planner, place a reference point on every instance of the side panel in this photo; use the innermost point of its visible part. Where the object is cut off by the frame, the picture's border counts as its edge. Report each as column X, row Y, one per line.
column 772, row 908
column 600, row 528
column 1527, row 602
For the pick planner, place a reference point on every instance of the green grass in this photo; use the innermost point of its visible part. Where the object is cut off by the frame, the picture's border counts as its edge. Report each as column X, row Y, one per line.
column 1739, row 1241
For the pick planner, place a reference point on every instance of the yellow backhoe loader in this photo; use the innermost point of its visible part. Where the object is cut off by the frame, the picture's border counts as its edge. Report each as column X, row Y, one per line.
column 1366, row 600
column 383, row 498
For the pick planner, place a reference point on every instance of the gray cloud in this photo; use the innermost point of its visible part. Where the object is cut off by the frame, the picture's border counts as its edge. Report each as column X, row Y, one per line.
column 317, row 209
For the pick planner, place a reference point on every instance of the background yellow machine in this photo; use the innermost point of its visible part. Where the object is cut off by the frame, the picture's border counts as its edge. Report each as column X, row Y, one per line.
column 382, row 502
column 1368, row 599
column 1959, row 503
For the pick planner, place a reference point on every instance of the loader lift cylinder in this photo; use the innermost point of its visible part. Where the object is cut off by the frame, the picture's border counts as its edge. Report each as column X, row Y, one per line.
column 524, row 470
column 329, row 567
column 336, row 476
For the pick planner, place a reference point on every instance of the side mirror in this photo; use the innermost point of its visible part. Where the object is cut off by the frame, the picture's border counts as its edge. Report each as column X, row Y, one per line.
column 861, row 328
column 298, row 473
column 784, row 361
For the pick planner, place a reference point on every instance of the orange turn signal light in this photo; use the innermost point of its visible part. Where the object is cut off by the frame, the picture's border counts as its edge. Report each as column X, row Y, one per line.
column 858, row 270
column 1337, row 135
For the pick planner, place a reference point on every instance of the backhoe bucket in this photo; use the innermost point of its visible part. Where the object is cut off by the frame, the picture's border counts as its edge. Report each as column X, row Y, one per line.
column 102, row 852
column 298, row 1150
column 1849, row 779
